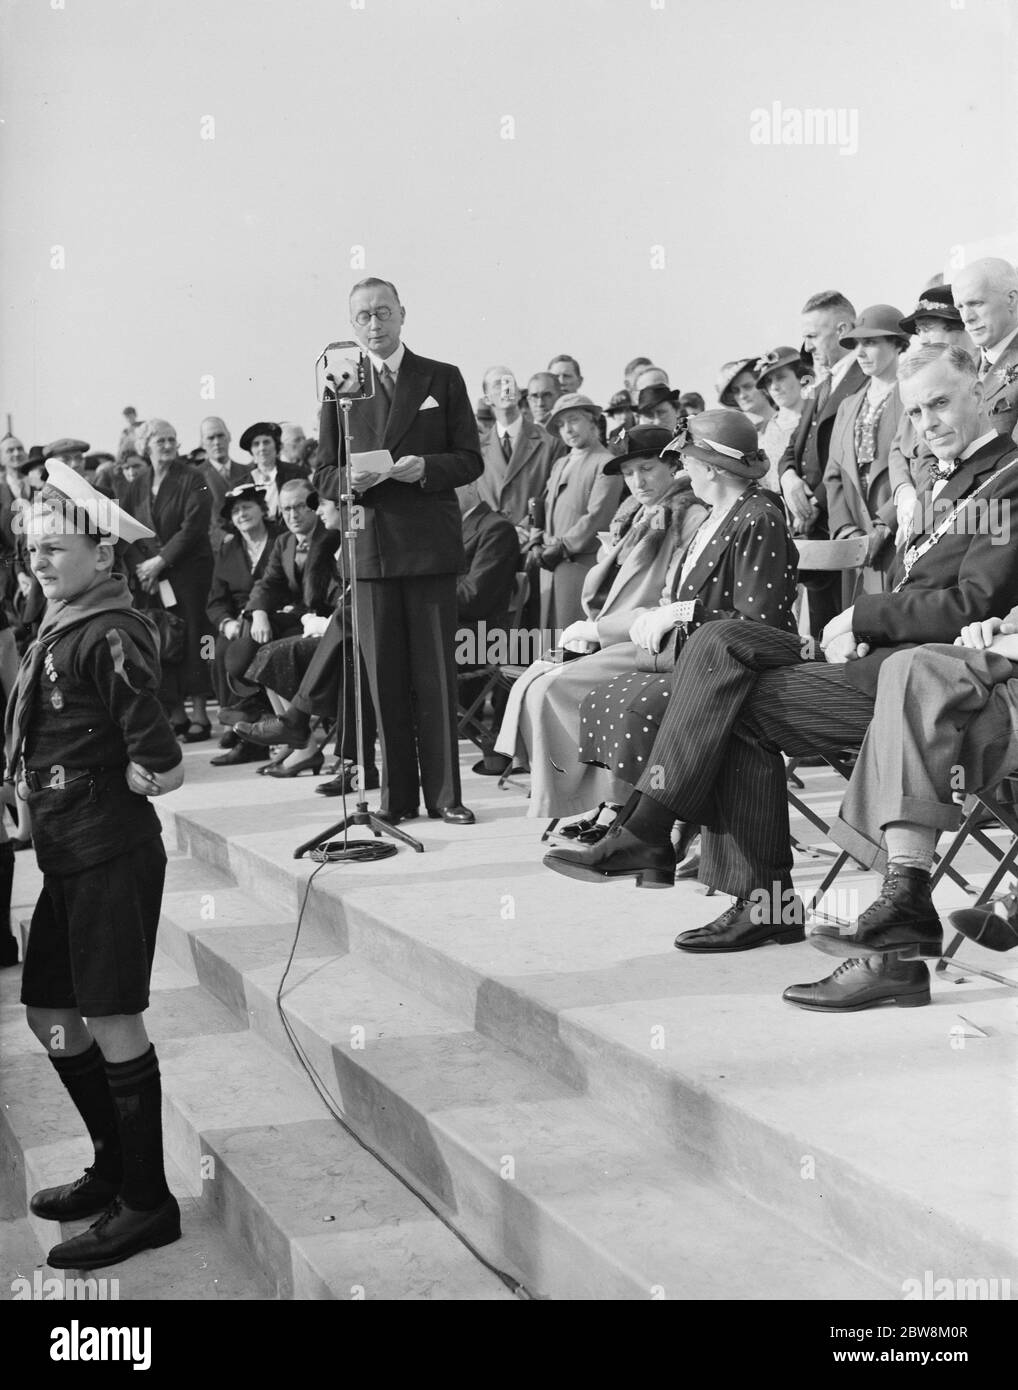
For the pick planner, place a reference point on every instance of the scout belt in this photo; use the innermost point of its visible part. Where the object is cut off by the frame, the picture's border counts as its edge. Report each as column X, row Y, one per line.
column 56, row 780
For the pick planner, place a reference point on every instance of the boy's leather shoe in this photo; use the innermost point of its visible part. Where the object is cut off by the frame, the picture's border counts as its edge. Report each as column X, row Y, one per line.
column 118, row 1234
column 85, row 1196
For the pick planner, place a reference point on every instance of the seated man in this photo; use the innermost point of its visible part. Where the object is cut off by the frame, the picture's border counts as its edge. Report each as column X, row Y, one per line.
column 743, row 692
column 483, row 595
column 943, row 722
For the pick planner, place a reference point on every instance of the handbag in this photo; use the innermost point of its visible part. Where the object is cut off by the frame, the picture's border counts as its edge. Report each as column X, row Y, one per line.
column 172, row 631
column 662, row 663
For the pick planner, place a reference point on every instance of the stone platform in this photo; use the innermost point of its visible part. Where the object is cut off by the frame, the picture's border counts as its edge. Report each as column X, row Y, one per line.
column 594, row 1114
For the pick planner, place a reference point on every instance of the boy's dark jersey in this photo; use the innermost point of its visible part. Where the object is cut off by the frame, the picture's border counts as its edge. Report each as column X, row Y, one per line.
column 95, row 710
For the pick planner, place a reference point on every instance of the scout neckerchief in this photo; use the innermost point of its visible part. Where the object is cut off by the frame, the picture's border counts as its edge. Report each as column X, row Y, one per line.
column 915, row 552
column 108, row 596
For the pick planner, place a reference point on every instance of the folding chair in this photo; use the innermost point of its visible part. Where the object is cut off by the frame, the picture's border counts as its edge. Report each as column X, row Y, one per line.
column 847, row 554
column 974, row 811
column 471, row 723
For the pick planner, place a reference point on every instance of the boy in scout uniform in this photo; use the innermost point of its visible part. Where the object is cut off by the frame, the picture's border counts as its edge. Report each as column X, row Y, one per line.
column 86, row 744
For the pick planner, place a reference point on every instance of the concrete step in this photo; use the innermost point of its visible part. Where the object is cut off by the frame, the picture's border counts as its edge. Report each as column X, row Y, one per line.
column 540, row 1178
column 276, row 1199
column 829, row 1121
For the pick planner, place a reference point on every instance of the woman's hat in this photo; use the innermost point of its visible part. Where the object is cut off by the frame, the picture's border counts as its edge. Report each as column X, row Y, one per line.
column 776, row 358
column 878, row 321
column 934, row 303
column 105, row 517
column 641, row 442
column 262, row 427
column 246, row 492
column 573, row 400
column 651, row 396
column 35, row 458
column 723, row 438
column 620, row 402
column 729, row 372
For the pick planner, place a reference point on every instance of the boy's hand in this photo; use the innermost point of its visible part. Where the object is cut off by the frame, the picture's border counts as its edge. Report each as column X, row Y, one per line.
column 145, row 783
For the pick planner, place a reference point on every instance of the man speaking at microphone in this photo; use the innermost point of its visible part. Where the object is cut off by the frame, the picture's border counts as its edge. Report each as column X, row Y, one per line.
column 409, row 551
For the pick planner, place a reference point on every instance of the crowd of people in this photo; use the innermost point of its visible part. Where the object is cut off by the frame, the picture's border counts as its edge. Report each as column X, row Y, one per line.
column 654, row 544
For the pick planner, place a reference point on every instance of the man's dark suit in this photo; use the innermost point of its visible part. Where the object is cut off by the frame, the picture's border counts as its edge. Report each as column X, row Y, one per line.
column 742, row 692
column 484, row 590
column 409, row 551
column 281, row 586
column 508, row 486
column 807, row 454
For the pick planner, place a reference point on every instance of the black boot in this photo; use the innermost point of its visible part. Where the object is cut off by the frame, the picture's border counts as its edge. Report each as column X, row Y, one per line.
column 84, row 1077
column 902, row 919
column 8, row 941
column 862, row 984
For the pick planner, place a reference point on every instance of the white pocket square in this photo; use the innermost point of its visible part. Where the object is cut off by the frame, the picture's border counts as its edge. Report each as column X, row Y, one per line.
column 429, row 404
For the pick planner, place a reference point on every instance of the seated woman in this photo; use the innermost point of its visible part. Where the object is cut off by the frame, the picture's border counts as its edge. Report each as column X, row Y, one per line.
column 279, row 666
column 240, row 562
column 741, row 564
column 654, row 526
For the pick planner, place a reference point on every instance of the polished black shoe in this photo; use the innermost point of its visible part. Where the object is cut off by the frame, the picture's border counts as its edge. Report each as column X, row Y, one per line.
column 241, row 752
column 395, row 817
column 862, row 984
column 619, row 855
column 453, row 815
column 579, row 829
column 229, row 739
column 902, row 919
column 994, row 925
column 343, row 785
column 748, row 923
column 272, row 730
column 85, row 1196
column 118, row 1234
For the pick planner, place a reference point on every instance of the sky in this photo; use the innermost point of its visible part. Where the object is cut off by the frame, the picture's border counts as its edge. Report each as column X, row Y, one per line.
column 190, row 189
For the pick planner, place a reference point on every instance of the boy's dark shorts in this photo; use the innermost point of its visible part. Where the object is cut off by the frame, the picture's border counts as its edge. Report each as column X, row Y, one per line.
column 93, row 936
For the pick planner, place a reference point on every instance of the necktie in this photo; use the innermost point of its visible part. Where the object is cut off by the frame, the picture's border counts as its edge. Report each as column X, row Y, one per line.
column 940, row 471
column 823, row 395
column 385, row 380
column 984, row 366
column 507, row 446
column 301, row 555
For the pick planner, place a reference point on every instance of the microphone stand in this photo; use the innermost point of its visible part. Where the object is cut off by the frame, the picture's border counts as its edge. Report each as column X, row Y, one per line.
column 353, row 851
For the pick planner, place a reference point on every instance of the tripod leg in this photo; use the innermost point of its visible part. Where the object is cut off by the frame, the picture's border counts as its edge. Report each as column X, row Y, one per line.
column 381, row 827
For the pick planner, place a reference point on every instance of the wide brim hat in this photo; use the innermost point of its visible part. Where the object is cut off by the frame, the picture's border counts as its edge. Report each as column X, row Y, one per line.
column 934, row 303
column 65, row 446
column 641, row 442
column 658, row 394
column 728, row 373
column 106, row 519
column 252, row 432
column 776, row 359
column 725, row 439
column 878, row 321
column 245, row 492
column 573, row 400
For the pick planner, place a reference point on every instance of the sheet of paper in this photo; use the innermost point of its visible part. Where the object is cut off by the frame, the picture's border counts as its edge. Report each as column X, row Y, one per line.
column 378, row 461
column 166, row 594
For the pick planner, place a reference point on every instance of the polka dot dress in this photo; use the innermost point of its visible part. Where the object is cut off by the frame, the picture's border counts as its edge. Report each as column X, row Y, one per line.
column 619, row 722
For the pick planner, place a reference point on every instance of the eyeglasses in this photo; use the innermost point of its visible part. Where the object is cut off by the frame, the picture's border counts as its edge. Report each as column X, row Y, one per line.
column 365, row 316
